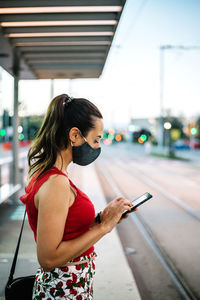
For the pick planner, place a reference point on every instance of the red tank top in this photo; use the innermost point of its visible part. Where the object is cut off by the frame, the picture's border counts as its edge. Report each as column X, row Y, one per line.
column 80, row 215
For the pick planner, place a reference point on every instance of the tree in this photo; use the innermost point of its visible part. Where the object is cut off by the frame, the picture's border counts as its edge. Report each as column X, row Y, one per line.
column 198, row 127
column 176, row 124
column 31, row 125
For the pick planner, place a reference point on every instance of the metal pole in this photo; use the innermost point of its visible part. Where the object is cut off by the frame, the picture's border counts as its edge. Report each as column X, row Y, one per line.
column 70, row 87
column 15, row 147
column 25, row 128
column 52, row 89
column 0, row 176
column 161, row 133
column 1, row 99
column 6, row 124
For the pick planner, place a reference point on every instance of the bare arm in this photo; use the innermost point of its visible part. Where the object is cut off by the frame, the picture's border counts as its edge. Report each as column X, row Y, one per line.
column 54, row 197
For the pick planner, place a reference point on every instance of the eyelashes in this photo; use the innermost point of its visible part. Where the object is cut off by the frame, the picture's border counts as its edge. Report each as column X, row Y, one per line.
column 97, row 142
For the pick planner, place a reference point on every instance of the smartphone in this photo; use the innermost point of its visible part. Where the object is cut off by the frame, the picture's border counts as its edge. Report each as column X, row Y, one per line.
column 137, row 202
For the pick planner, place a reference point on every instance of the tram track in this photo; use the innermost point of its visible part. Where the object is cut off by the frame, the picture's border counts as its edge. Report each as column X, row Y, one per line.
column 183, row 169
column 168, row 195
column 181, row 284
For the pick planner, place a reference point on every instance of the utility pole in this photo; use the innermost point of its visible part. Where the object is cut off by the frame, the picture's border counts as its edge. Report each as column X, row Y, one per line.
column 15, row 147
column 1, row 99
column 162, row 65
column 161, row 121
column 70, row 87
column 52, row 89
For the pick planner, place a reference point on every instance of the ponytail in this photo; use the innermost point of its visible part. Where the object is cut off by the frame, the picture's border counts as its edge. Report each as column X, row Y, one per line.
column 62, row 114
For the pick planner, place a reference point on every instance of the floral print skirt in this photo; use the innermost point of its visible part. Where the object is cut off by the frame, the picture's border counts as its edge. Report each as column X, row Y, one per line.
column 74, row 282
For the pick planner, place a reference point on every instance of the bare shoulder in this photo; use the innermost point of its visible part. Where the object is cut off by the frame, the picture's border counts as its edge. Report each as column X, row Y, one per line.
column 56, row 187
column 56, row 181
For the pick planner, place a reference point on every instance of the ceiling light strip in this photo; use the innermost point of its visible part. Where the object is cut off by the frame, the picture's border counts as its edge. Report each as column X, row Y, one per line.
column 48, row 34
column 59, row 9
column 62, row 43
column 58, row 23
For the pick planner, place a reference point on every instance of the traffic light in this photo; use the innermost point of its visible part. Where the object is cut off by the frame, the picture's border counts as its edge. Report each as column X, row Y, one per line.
column 191, row 129
column 2, row 132
column 111, row 136
column 118, row 138
column 105, row 135
column 21, row 136
column 194, row 131
column 141, row 136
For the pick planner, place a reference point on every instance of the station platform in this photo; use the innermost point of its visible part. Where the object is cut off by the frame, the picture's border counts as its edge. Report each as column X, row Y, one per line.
column 113, row 280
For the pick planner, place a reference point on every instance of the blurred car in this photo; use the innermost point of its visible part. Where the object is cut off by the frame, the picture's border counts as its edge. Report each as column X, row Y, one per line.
column 181, row 145
column 195, row 144
column 8, row 145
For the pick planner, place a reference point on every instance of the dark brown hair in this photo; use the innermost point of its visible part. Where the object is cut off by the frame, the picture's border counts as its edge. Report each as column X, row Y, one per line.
column 62, row 114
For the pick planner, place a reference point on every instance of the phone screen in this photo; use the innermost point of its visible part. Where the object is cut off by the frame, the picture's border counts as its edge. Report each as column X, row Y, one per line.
column 137, row 202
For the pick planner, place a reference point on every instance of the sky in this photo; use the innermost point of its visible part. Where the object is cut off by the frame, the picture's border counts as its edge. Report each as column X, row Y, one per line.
column 129, row 86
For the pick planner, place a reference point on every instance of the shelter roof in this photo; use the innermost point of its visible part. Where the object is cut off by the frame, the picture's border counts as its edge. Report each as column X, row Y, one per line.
column 58, row 39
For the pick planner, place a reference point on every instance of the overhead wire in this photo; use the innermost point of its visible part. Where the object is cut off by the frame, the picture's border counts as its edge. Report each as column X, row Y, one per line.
column 133, row 23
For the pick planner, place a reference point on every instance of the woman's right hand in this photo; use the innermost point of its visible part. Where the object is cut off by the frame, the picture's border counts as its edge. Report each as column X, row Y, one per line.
column 112, row 213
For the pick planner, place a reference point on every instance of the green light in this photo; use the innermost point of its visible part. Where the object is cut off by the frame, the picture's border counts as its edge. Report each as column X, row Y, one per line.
column 111, row 136
column 21, row 136
column 2, row 132
column 143, row 137
column 104, row 135
column 194, row 131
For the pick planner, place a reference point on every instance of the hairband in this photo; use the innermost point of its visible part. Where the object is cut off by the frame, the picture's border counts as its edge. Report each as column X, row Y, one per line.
column 69, row 99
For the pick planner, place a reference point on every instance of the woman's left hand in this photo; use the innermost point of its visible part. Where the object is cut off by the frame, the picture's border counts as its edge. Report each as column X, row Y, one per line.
column 126, row 216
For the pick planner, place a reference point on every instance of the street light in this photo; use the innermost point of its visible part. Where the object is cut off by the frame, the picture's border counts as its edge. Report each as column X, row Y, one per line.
column 167, row 125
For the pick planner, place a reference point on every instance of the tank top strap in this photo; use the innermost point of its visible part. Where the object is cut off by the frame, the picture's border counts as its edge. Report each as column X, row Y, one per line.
column 38, row 183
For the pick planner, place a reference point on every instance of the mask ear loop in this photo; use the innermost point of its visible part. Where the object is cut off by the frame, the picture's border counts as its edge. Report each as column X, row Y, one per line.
column 82, row 137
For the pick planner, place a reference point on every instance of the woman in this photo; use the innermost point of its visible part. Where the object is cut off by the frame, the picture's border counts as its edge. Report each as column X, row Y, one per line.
column 61, row 216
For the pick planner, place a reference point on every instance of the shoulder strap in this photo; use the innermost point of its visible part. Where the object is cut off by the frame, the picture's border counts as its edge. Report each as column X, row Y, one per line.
column 16, row 251
column 10, row 278
column 20, row 235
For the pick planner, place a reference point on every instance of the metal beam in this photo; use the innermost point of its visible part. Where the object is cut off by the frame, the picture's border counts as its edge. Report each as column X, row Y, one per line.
column 50, row 74
column 69, row 55
column 97, row 28
column 70, row 61
column 62, row 66
column 15, row 146
column 63, row 48
column 58, row 17
column 6, row 59
column 60, row 39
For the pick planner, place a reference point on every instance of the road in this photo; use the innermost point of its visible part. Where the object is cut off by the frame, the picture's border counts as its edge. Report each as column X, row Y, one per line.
column 161, row 240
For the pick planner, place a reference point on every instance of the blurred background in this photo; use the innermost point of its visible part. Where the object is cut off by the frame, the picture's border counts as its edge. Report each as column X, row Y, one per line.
column 147, row 88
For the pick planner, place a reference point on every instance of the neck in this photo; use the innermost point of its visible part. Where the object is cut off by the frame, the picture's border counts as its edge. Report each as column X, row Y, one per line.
column 62, row 163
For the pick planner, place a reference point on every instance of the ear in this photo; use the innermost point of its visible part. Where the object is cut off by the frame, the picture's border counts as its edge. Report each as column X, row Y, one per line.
column 74, row 134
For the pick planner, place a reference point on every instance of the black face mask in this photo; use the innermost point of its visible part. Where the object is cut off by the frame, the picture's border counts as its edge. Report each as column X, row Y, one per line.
column 84, row 154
